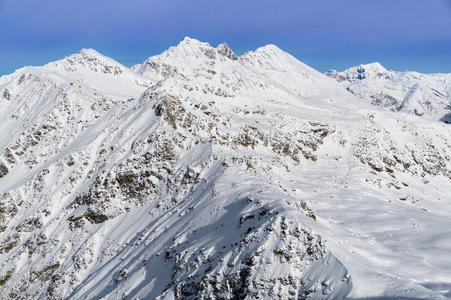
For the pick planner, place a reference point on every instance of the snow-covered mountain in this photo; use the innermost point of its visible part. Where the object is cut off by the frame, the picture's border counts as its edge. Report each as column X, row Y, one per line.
column 203, row 174
column 427, row 95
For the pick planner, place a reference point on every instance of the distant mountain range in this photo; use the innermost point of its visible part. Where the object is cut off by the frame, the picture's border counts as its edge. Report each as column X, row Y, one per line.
column 427, row 95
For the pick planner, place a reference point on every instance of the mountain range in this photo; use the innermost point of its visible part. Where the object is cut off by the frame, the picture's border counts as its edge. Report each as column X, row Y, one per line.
column 202, row 174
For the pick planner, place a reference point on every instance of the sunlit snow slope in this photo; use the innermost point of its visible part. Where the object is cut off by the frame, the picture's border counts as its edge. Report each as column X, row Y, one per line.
column 426, row 95
column 203, row 174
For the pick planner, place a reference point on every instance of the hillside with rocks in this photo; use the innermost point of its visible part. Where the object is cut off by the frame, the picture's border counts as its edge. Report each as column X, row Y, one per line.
column 202, row 174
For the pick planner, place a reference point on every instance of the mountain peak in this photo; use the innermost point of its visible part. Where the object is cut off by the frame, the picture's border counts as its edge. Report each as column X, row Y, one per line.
column 360, row 72
column 196, row 175
column 90, row 56
column 90, row 66
column 90, row 52
column 225, row 50
column 190, row 43
column 188, row 47
column 270, row 49
column 374, row 67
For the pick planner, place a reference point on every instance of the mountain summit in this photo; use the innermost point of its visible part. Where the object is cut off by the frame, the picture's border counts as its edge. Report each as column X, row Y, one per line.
column 225, row 50
column 200, row 174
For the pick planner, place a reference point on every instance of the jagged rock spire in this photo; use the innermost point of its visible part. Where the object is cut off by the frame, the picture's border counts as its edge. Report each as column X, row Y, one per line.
column 225, row 50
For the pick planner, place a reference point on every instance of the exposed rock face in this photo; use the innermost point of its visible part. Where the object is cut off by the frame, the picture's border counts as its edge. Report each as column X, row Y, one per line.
column 225, row 50
column 201, row 174
column 3, row 170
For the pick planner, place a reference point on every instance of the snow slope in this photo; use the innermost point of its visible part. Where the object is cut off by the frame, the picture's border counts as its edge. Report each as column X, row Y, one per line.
column 427, row 95
column 203, row 174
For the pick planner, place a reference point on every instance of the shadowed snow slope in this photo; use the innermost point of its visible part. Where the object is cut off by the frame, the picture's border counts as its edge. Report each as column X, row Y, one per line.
column 200, row 174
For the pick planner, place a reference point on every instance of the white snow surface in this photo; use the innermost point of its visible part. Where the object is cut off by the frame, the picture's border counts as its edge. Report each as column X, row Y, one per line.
column 200, row 174
column 426, row 95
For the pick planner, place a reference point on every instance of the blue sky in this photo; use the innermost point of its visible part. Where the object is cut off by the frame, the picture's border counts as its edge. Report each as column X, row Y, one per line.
column 326, row 34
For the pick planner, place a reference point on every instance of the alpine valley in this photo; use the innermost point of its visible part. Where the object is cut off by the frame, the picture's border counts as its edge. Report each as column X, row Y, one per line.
column 200, row 174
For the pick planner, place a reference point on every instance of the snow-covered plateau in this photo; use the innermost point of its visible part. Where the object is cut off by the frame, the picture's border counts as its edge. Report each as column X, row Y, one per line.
column 200, row 174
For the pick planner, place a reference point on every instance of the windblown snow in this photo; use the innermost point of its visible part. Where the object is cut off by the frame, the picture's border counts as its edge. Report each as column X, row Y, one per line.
column 201, row 174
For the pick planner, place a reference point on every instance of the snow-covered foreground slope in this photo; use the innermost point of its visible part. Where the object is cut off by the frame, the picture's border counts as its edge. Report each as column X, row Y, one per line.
column 426, row 95
column 202, row 174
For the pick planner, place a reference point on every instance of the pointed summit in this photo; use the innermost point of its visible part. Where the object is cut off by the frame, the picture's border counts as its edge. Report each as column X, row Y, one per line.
column 375, row 64
column 189, row 47
column 271, row 50
column 372, row 70
column 189, row 41
column 374, row 67
column 225, row 50
column 191, row 44
column 361, row 72
column 88, row 56
column 90, row 52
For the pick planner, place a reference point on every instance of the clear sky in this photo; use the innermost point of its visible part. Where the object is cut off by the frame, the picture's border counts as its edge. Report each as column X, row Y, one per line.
column 326, row 34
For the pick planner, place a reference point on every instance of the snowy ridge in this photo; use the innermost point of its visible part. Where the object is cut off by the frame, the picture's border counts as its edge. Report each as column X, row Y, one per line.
column 224, row 72
column 203, row 174
column 427, row 95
